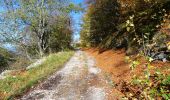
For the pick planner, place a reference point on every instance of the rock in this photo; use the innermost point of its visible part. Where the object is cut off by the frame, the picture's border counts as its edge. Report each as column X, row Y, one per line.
column 5, row 73
column 163, row 56
column 36, row 64
column 131, row 51
column 164, row 60
column 93, row 70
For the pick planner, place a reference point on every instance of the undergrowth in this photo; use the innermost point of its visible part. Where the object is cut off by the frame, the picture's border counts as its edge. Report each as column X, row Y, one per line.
column 149, row 86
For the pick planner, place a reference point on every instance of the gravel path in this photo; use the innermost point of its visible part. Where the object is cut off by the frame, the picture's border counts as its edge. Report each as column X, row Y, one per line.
column 78, row 80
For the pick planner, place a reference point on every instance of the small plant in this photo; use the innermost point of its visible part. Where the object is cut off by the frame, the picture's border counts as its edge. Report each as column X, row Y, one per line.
column 155, row 87
column 133, row 64
column 150, row 86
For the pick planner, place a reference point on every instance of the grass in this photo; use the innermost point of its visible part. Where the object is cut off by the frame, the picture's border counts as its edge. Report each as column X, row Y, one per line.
column 22, row 81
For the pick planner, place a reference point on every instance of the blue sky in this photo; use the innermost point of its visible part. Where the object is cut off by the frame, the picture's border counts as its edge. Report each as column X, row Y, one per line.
column 77, row 18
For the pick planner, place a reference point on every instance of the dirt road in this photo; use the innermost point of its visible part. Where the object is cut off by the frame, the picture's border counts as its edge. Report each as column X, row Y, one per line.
column 78, row 80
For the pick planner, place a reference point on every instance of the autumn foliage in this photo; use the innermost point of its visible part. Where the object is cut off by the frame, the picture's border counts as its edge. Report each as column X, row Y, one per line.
column 129, row 24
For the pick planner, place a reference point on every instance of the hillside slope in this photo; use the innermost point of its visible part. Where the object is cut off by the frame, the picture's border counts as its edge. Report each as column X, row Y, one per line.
column 132, row 81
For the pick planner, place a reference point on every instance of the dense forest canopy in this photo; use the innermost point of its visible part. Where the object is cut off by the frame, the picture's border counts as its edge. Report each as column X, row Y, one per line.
column 130, row 24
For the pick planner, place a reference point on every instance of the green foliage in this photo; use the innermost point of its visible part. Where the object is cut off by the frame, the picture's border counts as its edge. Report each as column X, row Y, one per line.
column 148, row 86
column 38, row 25
column 61, row 34
column 134, row 64
column 5, row 58
column 151, row 89
column 74, row 7
column 153, row 83
column 85, row 32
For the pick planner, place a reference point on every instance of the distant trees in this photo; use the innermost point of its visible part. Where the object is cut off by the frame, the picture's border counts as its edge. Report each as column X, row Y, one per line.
column 130, row 24
column 61, row 34
column 85, row 32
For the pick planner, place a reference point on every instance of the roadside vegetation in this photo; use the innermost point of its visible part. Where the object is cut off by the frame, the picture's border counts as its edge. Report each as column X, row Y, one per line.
column 152, row 83
column 33, row 29
column 29, row 32
column 141, row 29
column 18, row 82
column 5, row 57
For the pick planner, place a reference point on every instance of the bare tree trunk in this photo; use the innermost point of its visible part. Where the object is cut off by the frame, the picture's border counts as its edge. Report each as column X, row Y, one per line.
column 41, row 52
column 42, row 43
column 25, row 49
column 28, row 56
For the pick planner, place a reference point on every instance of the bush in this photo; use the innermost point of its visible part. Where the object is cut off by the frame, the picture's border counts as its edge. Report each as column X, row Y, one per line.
column 5, row 58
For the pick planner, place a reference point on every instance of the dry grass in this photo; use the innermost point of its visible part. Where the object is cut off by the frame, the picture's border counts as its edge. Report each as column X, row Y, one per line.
column 18, row 83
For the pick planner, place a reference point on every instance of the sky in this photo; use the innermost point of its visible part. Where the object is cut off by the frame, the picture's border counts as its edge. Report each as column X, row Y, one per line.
column 77, row 19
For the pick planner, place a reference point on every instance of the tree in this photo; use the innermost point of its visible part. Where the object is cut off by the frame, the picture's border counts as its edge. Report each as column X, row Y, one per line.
column 35, row 15
column 104, row 19
column 128, row 24
column 61, row 35
column 85, row 32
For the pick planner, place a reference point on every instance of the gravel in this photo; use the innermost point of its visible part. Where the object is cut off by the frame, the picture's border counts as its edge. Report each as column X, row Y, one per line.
column 72, row 82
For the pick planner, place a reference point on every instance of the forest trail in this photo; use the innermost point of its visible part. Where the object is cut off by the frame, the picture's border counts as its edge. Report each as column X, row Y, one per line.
column 78, row 80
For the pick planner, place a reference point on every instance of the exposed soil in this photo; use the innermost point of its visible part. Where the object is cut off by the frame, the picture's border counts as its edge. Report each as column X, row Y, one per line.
column 113, row 64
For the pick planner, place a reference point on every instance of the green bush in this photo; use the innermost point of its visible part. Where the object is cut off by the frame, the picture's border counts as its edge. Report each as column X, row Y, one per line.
column 5, row 58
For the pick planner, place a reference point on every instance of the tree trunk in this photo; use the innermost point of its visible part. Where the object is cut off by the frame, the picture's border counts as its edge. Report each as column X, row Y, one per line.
column 132, row 46
column 42, row 34
column 41, row 52
column 28, row 56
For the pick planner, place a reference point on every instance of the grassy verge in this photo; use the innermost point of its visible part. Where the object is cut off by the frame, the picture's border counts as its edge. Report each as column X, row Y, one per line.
column 17, row 84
